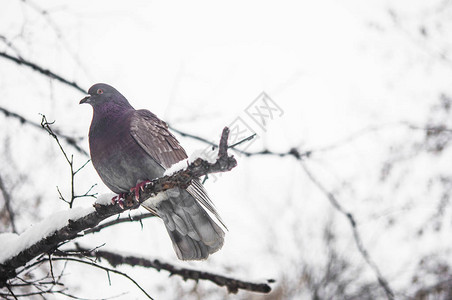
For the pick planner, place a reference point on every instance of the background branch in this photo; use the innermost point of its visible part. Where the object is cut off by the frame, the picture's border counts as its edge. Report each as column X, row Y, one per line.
column 43, row 71
column 357, row 237
column 7, row 199
column 115, row 259
column 68, row 139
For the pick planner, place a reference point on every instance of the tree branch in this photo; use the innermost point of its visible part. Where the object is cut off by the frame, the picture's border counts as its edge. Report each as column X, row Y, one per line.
column 115, row 259
column 75, row 228
column 37, row 68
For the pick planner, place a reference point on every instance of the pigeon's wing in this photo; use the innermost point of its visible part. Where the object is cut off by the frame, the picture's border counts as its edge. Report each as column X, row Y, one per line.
column 153, row 136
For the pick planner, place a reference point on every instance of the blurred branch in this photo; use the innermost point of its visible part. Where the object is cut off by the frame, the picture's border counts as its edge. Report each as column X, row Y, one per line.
column 419, row 43
column 115, row 259
column 37, row 68
column 192, row 136
column 46, row 15
column 7, row 199
column 68, row 139
column 435, row 291
column 429, row 129
column 358, row 240
column 74, row 228
column 292, row 152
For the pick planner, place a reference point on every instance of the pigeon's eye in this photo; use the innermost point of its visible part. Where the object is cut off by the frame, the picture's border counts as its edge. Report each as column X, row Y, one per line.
column 100, row 91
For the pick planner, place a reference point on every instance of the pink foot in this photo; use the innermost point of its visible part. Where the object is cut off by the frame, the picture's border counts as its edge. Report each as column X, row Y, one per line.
column 119, row 199
column 139, row 187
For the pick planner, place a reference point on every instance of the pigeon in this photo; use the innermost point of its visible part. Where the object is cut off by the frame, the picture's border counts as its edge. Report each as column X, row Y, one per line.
column 128, row 148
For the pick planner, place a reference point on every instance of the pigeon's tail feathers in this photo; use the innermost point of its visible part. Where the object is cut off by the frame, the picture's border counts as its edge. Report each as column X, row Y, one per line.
column 193, row 232
column 197, row 190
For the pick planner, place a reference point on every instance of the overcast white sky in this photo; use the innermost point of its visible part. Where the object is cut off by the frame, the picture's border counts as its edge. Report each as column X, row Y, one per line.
column 333, row 67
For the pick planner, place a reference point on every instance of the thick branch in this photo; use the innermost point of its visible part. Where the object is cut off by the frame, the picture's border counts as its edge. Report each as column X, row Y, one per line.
column 115, row 259
column 75, row 228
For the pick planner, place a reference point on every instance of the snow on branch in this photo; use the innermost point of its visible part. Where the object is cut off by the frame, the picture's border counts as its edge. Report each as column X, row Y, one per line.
column 48, row 235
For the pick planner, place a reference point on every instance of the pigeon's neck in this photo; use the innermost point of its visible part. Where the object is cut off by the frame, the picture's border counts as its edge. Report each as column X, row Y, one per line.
column 109, row 116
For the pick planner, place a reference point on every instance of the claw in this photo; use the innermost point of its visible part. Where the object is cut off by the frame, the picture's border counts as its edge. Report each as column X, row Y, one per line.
column 121, row 203
column 137, row 189
column 119, row 199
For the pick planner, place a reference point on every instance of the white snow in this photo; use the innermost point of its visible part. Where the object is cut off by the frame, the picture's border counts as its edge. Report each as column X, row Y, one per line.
column 208, row 155
column 182, row 165
column 13, row 244
column 105, row 199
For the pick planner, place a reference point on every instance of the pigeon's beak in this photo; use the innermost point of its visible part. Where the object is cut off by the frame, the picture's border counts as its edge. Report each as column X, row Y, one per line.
column 85, row 100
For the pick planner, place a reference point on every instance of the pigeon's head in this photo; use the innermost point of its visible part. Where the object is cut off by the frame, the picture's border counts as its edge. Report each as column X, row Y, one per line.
column 102, row 93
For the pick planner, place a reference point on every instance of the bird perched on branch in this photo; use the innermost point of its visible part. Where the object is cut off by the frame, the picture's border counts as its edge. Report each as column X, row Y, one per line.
column 130, row 147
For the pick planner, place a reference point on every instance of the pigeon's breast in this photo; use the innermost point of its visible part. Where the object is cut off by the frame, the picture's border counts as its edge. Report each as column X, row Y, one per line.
column 120, row 162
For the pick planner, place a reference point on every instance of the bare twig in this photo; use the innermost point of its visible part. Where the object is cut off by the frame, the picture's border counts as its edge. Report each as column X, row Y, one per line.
column 193, row 136
column 242, row 141
column 82, row 168
column 115, row 259
column 87, row 193
column 46, row 125
column 74, row 228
